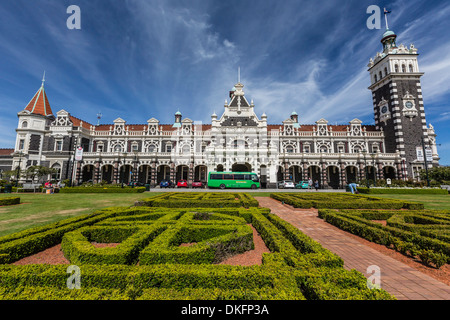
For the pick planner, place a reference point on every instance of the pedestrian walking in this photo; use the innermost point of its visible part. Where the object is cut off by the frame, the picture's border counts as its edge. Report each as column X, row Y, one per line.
column 310, row 183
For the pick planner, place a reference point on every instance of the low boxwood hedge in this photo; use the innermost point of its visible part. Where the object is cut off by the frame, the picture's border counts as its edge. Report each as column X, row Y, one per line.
column 200, row 200
column 401, row 191
column 342, row 201
column 9, row 201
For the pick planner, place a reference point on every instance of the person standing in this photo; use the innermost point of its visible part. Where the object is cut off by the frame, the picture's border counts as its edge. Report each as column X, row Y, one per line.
column 310, row 183
column 316, row 185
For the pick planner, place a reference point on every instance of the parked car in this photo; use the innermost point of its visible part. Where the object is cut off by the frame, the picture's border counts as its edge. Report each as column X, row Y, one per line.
column 182, row 184
column 302, row 185
column 164, row 184
column 286, row 184
column 197, row 184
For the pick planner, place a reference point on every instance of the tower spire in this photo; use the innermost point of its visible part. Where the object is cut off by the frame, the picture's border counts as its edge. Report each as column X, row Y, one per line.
column 239, row 74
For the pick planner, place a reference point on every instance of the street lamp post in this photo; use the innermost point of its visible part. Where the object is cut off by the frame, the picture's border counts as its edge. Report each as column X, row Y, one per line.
column 124, row 163
column 18, row 169
column 374, row 170
column 365, row 168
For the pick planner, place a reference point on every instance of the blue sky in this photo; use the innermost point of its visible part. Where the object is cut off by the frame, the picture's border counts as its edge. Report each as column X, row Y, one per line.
column 139, row 59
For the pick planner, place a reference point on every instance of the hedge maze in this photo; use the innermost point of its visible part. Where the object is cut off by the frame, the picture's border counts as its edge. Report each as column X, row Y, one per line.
column 413, row 231
column 423, row 234
column 174, row 252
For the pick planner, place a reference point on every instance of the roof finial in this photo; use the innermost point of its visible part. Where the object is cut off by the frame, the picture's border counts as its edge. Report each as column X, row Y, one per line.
column 239, row 75
column 386, row 12
column 43, row 79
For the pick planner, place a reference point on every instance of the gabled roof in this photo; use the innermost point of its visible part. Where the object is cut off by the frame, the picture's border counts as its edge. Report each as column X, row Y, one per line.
column 39, row 104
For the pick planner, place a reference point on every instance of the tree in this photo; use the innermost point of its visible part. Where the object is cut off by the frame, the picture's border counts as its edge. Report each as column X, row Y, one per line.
column 38, row 172
column 439, row 174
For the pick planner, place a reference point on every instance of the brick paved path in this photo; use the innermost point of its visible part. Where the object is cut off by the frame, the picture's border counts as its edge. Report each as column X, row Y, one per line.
column 400, row 280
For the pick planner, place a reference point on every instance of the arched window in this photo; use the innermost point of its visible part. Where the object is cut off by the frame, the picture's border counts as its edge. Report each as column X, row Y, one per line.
column 323, row 149
column 396, row 68
column 385, row 72
column 376, row 78
column 411, row 68
column 118, row 148
column 25, row 124
column 56, row 175
column 186, row 149
column 403, row 68
column 381, row 75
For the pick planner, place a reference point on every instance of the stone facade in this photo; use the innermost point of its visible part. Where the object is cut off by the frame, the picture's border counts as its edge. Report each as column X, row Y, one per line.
column 240, row 140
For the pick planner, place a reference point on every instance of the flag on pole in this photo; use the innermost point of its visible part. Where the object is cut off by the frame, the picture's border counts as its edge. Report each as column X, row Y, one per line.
column 386, row 11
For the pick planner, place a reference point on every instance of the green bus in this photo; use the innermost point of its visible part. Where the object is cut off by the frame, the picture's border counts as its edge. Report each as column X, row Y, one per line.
column 236, row 180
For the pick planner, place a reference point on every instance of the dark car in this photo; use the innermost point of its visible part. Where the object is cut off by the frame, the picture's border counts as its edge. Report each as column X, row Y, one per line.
column 197, row 184
column 164, row 184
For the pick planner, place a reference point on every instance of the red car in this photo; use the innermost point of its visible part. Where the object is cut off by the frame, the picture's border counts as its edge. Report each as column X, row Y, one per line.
column 197, row 184
column 182, row 184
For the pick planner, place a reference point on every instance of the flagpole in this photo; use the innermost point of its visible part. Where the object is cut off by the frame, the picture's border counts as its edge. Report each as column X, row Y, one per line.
column 385, row 17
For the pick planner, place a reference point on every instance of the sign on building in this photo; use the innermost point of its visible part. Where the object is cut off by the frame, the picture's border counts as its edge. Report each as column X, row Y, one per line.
column 419, row 151
column 428, row 154
column 79, row 154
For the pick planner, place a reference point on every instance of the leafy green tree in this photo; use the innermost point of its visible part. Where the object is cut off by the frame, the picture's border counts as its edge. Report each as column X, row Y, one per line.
column 439, row 174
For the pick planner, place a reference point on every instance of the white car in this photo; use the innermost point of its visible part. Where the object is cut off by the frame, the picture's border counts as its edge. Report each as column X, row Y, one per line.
column 287, row 184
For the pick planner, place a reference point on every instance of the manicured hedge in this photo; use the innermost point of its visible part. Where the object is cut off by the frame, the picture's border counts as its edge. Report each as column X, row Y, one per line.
column 102, row 190
column 200, row 200
column 397, row 234
column 342, row 201
column 296, row 268
column 9, row 201
column 401, row 191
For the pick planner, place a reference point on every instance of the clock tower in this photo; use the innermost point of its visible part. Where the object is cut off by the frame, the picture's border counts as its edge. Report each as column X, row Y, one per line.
column 398, row 104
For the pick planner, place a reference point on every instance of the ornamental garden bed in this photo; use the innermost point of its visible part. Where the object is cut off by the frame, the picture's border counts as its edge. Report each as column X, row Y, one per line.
column 419, row 234
column 342, row 201
column 146, row 259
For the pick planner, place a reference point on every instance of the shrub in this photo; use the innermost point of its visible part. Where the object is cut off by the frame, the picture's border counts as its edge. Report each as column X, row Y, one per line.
column 401, row 191
column 9, row 201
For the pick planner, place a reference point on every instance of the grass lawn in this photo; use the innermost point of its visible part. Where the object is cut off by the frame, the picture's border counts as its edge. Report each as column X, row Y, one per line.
column 41, row 209
column 431, row 201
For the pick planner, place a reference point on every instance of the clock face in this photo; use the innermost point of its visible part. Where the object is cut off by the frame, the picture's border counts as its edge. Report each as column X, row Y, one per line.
column 409, row 104
column 384, row 109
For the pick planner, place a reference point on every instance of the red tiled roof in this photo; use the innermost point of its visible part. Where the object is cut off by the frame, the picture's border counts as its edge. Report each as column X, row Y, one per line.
column 6, row 152
column 78, row 122
column 39, row 104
